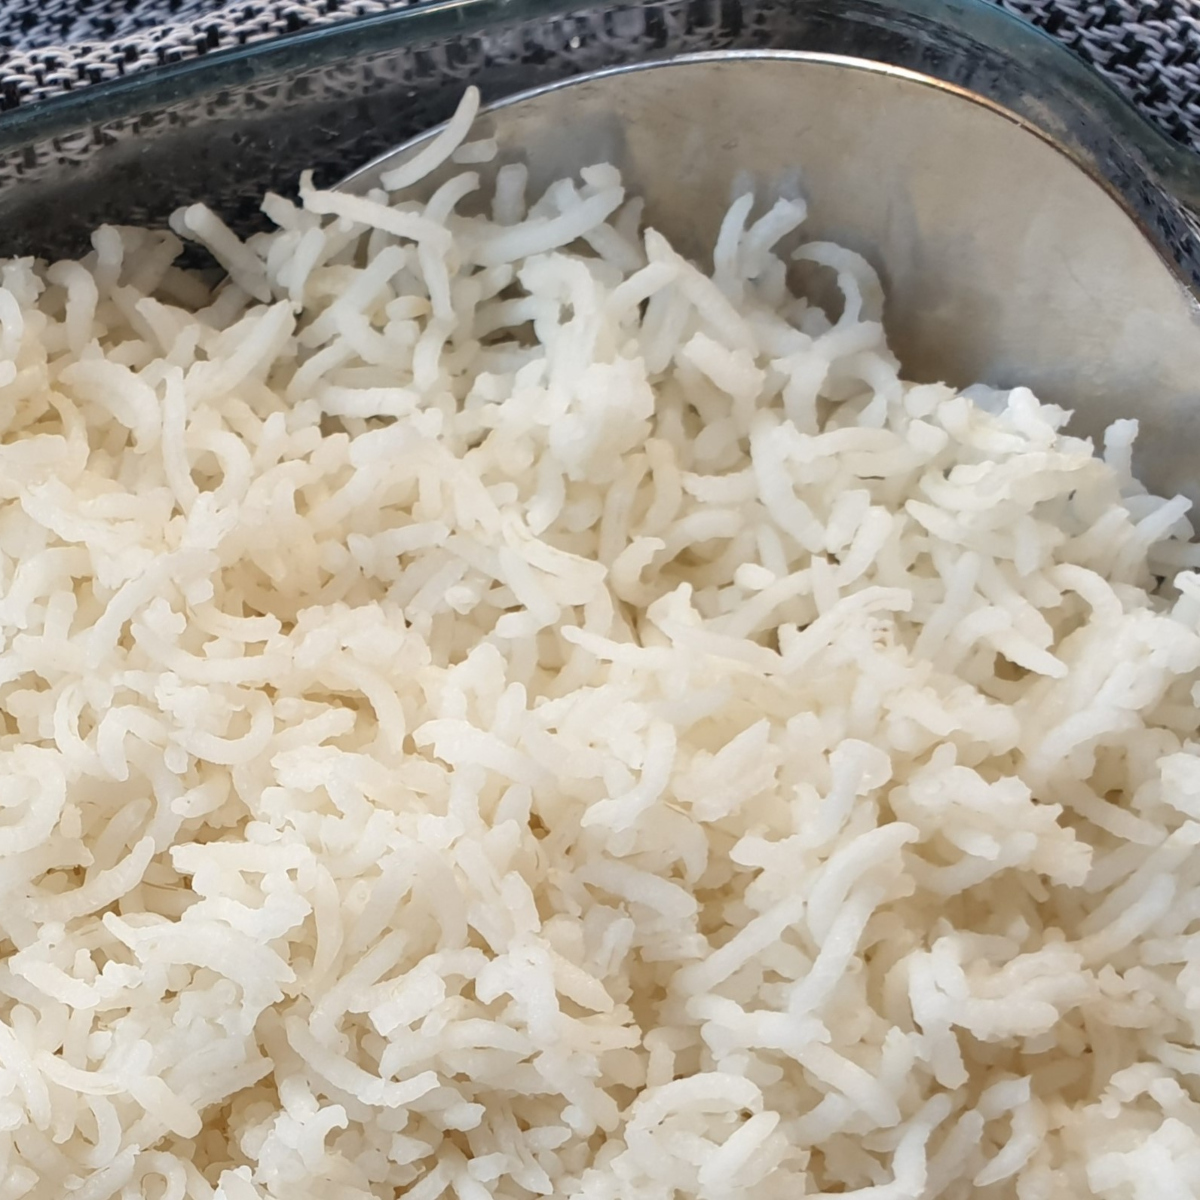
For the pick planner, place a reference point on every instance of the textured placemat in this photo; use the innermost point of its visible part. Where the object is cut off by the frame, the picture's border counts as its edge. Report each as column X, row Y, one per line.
column 1149, row 50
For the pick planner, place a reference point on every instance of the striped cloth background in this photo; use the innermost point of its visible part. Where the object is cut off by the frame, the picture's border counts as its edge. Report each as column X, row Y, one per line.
column 1150, row 49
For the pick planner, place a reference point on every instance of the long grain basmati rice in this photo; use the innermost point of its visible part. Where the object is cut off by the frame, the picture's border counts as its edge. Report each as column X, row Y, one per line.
column 492, row 710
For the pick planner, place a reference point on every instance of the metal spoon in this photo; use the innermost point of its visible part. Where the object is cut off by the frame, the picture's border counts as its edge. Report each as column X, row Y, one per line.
column 1004, row 260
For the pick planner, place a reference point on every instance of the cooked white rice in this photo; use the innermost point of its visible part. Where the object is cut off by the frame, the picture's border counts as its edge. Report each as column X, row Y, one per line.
column 490, row 710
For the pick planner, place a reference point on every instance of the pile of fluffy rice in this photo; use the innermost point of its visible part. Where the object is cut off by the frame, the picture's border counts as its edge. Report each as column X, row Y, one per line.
column 492, row 711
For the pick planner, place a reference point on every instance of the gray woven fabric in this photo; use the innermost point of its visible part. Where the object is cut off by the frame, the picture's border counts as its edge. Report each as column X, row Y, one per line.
column 1150, row 49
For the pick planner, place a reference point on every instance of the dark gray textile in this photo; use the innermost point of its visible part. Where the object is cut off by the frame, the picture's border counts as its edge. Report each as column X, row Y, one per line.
column 1150, row 49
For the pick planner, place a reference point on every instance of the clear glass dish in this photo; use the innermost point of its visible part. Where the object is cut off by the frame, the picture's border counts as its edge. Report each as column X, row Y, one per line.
column 227, row 127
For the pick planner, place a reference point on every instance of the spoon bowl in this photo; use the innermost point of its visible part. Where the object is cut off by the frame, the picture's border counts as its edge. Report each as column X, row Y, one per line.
column 1004, row 259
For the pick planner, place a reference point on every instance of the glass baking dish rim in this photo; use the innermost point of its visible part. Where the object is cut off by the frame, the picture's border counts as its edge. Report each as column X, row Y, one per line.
column 1177, row 168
